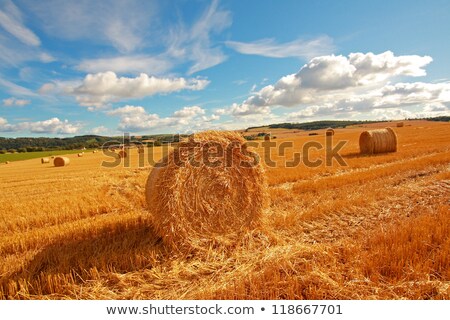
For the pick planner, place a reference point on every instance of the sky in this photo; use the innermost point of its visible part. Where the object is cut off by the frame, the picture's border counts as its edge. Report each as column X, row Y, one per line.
column 175, row 66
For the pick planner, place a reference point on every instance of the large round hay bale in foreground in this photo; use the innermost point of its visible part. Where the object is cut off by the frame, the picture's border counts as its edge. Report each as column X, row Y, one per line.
column 206, row 192
column 329, row 132
column 378, row 141
column 45, row 160
column 61, row 161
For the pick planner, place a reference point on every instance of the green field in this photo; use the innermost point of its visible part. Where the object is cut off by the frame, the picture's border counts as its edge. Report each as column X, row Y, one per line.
column 32, row 155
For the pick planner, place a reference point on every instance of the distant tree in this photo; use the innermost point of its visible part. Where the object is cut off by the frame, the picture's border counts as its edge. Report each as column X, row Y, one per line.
column 22, row 150
column 12, row 150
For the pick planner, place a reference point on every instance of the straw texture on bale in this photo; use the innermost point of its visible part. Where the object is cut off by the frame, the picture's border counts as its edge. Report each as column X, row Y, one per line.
column 329, row 132
column 196, row 204
column 122, row 154
column 378, row 141
column 400, row 124
column 45, row 160
column 140, row 150
column 61, row 161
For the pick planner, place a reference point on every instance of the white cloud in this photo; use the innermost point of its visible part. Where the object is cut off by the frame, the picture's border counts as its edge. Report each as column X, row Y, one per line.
column 188, row 112
column 99, row 130
column 245, row 109
column 194, row 43
column 46, row 57
column 97, row 90
column 53, row 125
column 127, row 110
column 136, row 119
column 347, row 83
column 127, row 64
column 11, row 21
column 15, row 102
column 124, row 25
column 15, row 89
column 299, row 48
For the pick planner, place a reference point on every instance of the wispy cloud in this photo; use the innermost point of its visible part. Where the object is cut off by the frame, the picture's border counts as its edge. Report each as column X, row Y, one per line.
column 153, row 65
column 11, row 21
column 15, row 89
column 299, row 48
column 194, row 43
column 9, row 102
column 121, row 24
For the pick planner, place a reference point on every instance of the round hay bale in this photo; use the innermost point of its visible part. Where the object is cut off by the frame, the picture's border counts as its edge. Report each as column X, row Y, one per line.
column 207, row 191
column 53, row 157
column 61, row 161
column 80, row 155
column 378, row 141
column 122, row 154
column 45, row 160
column 400, row 124
column 267, row 137
column 140, row 150
column 329, row 132
column 6, row 162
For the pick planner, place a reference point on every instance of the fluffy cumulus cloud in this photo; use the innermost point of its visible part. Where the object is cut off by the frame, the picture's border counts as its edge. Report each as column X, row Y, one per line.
column 188, row 112
column 298, row 48
column 338, row 86
column 51, row 126
column 137, row 119
column 97, row 90
column 9, row 102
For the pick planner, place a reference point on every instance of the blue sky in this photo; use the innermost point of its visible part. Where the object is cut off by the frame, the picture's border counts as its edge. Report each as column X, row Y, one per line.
column 104, row 67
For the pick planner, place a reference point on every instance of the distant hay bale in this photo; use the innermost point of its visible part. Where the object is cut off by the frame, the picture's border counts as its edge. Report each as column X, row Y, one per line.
column 6, row 162
column 267, row 137
column 61, row 161
column 329, row 132
column 45, row 160
column 400, row 124
column 378, row 141
column 80, row 155
column 122, row 154
column 313, row 134
column 207, row 191
column 53, row 157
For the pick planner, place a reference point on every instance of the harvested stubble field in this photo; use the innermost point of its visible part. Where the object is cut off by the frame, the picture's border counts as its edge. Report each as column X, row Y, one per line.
column 378, row 228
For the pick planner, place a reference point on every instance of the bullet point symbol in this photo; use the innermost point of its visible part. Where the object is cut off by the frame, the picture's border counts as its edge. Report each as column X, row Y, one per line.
column 262, row 309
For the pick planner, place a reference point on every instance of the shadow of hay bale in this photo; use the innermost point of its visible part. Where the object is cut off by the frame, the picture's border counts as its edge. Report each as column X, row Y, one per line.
column 122, row 248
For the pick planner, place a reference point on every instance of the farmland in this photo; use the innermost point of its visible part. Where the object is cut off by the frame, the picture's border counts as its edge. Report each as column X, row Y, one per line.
column 377, row 227
column 34, row 155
